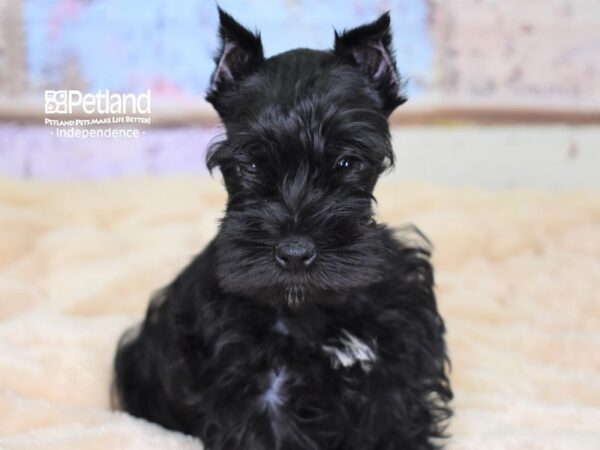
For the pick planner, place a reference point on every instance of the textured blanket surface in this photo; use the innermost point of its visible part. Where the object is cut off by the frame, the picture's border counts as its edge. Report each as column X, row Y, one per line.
column 518, row 281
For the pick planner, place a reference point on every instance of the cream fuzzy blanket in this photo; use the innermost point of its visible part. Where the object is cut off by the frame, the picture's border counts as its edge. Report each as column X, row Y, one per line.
column 518, row 277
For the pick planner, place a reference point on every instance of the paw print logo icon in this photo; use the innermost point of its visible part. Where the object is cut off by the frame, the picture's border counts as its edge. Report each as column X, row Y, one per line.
column 56, row 102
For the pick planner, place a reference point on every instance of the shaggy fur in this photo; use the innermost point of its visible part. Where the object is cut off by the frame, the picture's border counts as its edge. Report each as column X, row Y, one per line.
column 304, row 324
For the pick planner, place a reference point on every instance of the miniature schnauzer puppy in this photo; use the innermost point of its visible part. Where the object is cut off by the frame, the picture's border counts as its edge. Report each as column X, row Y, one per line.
column 304, row 324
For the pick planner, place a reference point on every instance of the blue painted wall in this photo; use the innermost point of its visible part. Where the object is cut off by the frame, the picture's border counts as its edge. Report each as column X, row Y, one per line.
column 167, row 45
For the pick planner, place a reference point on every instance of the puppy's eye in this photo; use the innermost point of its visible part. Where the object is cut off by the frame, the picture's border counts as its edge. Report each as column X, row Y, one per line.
column 251, row 167
column 247, row 167
column 348, row 163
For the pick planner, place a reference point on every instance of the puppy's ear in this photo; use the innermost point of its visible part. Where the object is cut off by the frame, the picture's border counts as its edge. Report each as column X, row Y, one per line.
column 369, row 47
column 240, row 54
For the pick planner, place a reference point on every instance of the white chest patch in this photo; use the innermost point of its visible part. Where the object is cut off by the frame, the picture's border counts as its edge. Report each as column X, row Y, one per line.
column 274, row 396
column 281, row 327
column 351, row 351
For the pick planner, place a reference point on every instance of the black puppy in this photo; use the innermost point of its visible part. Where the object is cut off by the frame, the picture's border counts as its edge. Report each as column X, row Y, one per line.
column 304, row 324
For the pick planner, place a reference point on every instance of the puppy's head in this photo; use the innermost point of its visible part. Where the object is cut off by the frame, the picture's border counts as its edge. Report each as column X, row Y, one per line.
column 306, row 139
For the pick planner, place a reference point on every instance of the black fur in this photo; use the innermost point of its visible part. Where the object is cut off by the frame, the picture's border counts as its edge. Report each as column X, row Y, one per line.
column 345, row 353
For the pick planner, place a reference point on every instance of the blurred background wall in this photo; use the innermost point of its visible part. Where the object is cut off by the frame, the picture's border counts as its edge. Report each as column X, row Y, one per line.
column 502, row 93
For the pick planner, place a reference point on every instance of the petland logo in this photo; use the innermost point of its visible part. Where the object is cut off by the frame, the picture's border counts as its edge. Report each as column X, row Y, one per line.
column 110, row 115
column 102, row 102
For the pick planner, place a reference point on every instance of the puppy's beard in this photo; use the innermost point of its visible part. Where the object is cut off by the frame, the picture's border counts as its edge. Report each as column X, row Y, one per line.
column 294, row 296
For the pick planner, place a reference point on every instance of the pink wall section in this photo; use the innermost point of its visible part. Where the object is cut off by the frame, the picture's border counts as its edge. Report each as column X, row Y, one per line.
column 31, row 152
column 544, row 52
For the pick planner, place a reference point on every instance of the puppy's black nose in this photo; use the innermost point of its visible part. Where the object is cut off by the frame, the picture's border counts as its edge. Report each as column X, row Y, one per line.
column 295, row 253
